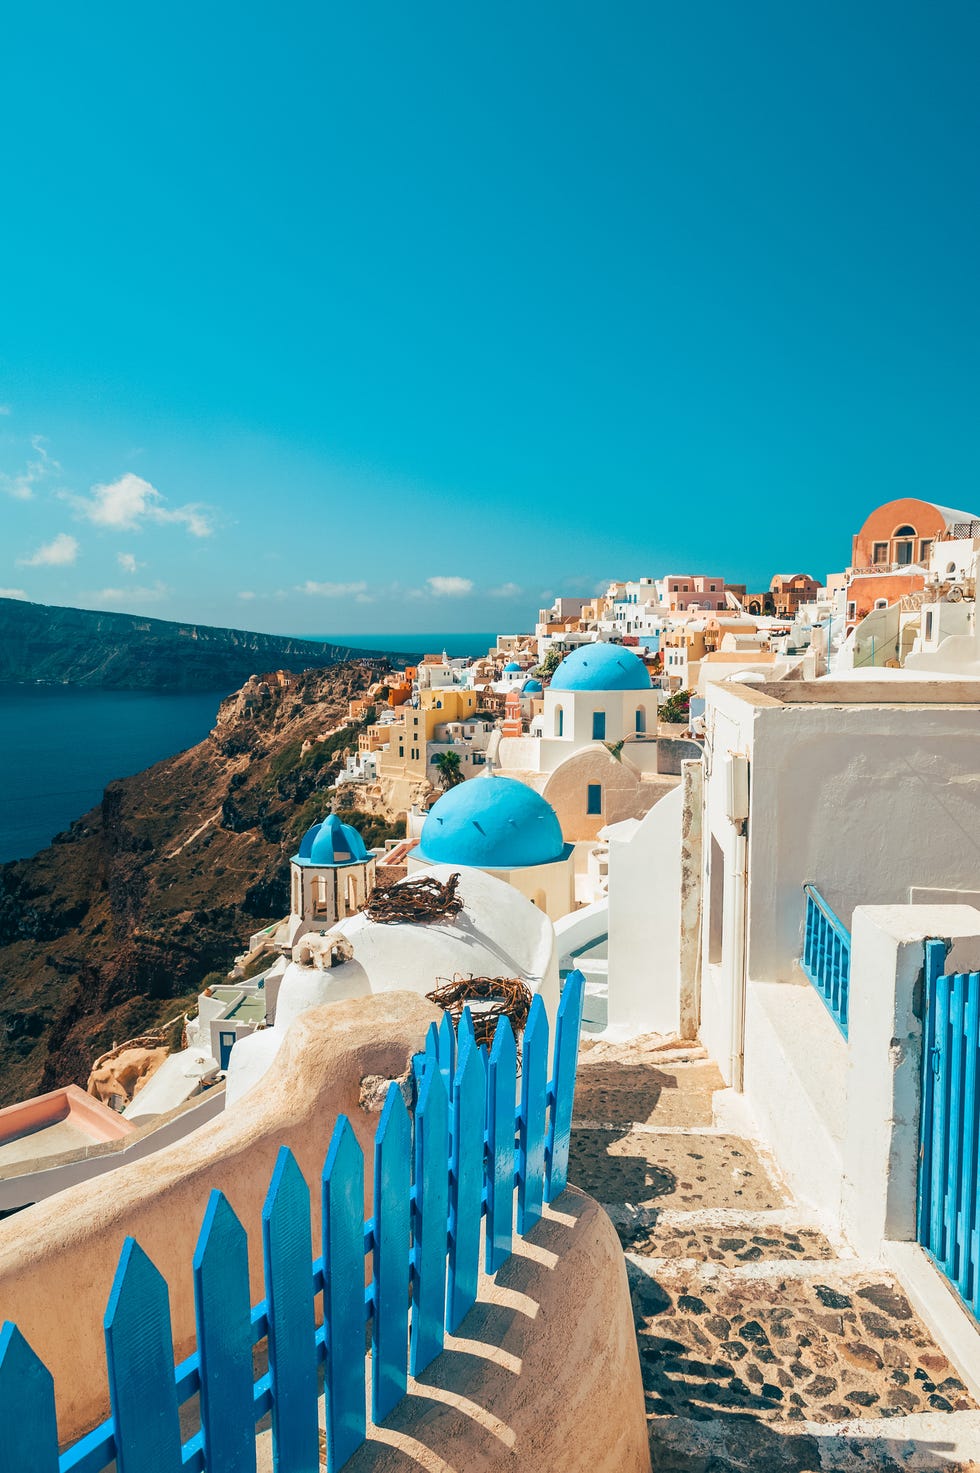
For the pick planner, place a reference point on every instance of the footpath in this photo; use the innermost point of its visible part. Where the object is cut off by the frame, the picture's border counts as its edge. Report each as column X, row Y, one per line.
column 764, row 1345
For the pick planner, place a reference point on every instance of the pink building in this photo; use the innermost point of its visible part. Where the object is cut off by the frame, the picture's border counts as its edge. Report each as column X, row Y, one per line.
column 681, row 590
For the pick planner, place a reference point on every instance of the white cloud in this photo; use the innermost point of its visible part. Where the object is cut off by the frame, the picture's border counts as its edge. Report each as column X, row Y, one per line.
column 5, row 409
column 130, row 595
column 12, row 593
column 59, row 552
column 130, row 503
column 127, row 561
column 450, row 587
column 332, row 590
column 506, row 590
column 246, row 594
column 21, row 486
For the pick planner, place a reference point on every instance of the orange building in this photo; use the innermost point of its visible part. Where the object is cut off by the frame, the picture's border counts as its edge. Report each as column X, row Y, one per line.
column 890, row 555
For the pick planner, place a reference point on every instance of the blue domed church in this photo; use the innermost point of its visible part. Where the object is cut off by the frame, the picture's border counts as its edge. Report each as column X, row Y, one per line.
column 596, row 745
column 504, row 827
column 331, row 876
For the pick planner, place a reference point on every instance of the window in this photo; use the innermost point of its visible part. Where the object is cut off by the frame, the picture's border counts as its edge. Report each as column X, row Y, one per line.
column 593, row 798
column 560, row 722
column 641, row 720
column 881, row 603
column 903, row 552
column 852, row 609
column 880, row 553
column 598, row 726
column 925, row 547
column 929, row 624
column 905, row 531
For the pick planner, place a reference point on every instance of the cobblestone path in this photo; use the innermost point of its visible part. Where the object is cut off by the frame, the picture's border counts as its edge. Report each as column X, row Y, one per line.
column 763, row 1345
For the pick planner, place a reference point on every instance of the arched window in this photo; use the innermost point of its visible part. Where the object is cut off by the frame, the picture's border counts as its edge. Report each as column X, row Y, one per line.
column 904, row 544
column 351, row 894
column 641, row 721
column 560, row 722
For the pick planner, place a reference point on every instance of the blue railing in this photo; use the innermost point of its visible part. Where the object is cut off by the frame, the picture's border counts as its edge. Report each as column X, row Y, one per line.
column 827, row 955
column 436, row 1177
column 949, row 1188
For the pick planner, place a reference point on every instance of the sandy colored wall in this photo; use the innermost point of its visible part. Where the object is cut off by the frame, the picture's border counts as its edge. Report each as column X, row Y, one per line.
column 543, row 1375
column 57, row 1258
column 623, row 794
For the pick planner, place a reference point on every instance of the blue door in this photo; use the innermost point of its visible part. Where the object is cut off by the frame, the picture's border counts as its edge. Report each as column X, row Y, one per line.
column 226, row 1042
column 949, row 1182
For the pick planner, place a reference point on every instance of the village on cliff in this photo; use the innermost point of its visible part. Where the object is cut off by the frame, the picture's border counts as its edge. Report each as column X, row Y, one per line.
column 727, row 839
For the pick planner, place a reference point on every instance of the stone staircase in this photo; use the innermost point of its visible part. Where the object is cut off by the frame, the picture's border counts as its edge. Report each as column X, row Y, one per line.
column 763, row 1344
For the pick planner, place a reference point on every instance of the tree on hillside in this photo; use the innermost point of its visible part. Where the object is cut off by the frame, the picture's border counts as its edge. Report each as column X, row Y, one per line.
column 550, row 663
column 447, row 766
column 676, row 708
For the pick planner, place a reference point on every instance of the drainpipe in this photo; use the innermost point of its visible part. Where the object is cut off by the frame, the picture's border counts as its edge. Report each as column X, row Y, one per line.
column 737, row 795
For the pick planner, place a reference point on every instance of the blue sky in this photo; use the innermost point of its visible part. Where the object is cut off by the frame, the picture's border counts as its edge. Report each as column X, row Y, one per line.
column 305, row 308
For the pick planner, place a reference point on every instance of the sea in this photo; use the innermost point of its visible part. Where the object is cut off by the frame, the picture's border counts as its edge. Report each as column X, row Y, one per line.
column 60, row 746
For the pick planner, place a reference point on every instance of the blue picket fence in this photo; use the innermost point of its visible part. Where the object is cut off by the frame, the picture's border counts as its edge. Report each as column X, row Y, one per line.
column 827, row 955
column 949, row 1189
column 470, row 1146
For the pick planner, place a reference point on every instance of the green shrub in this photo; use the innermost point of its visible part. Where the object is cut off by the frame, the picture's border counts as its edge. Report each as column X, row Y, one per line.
column 676, row 708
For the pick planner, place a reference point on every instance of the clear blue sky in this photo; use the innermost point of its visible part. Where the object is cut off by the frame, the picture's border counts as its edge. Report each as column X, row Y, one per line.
column 303, row 306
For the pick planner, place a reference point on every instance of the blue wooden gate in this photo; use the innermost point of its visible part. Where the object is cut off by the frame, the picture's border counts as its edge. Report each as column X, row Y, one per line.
column 473, row 1144
column 948, row 1226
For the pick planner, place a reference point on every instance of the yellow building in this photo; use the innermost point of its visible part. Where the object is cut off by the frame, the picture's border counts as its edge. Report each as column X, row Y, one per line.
column 403, row 765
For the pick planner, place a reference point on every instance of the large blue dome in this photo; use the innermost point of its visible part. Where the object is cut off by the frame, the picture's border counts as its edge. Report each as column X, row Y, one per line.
column 331, row 842
column 511, row 667
column 492, row 823
column 601, row 667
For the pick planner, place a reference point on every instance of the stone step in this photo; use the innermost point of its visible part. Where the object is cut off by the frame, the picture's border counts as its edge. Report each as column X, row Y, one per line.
column 931, row 1442
column 812, row 1342
column 643, row 1169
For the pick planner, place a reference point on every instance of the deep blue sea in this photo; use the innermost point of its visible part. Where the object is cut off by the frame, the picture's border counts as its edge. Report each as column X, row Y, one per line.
column 59, row 748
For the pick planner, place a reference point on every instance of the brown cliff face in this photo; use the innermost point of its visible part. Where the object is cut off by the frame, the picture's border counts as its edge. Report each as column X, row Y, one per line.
column 111, row 929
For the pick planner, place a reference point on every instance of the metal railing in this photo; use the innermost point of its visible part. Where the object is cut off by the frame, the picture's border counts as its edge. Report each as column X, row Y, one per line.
column 827, row 955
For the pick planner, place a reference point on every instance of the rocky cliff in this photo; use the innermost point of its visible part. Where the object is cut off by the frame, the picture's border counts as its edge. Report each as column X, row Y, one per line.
column 41, row 644
column 110, row 931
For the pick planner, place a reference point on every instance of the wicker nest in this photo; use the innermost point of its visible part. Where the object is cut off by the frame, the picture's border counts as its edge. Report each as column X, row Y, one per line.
column 499, row 996
column 424, row 899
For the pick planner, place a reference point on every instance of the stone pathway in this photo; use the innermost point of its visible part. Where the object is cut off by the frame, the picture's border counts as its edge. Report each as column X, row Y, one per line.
column 763, row 1345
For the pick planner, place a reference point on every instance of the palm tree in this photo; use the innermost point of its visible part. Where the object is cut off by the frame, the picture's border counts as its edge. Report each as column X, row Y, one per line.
column 447, row 765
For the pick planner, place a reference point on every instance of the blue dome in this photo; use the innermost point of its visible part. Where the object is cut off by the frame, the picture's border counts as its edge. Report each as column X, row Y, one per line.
column 531, row 687
column 492, row 823
column 601, row 667
column 331, row 842
column 511, row 667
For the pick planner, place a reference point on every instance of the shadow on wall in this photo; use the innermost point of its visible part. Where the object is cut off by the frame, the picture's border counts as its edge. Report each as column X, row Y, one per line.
column 543, row 1373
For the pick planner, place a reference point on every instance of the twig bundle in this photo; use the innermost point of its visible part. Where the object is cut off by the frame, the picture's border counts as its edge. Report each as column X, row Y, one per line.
column 424, row 899
column 505, row 996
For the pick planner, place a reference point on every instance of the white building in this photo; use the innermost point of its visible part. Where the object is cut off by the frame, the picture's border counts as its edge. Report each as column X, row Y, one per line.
column 330, row 877
column 496, row 934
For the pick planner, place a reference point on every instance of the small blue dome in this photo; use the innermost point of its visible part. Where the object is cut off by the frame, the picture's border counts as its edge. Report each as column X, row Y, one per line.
column 331, row 843
column 601, row 667
column 532, row 687
column 492, row 823
column 511, row 667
